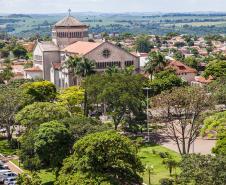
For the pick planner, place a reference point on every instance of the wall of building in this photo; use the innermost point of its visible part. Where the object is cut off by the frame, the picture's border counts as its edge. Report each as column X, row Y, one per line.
column 63, row 42
column 117, row 55
column 48, row 59
column 33, row 75
column 38, row 57
column 188, row 77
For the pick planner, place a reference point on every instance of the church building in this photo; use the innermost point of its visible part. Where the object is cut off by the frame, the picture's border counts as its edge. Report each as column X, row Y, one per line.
column 70, row 38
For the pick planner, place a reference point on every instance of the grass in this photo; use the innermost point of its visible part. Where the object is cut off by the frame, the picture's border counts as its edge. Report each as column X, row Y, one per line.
column 46, row 175
column 150, row 158
column 5, row 148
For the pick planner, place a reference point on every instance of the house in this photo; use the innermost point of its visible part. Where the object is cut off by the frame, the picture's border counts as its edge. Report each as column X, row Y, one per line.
column 186, row 73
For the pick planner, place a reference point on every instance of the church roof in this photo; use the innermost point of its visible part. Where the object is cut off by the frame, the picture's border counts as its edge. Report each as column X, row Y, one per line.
column 81, row 47
column 48, row 46
column 69, row 21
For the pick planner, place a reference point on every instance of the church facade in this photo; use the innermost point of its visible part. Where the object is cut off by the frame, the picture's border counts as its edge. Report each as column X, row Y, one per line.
column 70, row 38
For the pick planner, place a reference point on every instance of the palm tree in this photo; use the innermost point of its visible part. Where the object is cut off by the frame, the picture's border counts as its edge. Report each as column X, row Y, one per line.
column 156, row 62
column 82, row 67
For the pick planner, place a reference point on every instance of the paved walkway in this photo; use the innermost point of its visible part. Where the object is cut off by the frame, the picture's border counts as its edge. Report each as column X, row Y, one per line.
column 202, row 146
column 14, row 168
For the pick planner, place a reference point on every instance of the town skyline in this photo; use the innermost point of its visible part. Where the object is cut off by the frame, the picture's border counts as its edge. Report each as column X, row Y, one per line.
column 27, row 6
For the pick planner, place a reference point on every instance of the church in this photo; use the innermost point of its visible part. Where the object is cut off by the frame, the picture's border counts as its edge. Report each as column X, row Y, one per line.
column 70, row 38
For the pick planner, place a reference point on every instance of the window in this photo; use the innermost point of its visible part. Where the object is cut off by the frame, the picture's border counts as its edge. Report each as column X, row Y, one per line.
column 129, row 63
column 106, row 53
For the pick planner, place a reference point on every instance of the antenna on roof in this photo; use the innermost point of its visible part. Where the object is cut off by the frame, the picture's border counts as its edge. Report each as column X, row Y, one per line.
column 69, row 12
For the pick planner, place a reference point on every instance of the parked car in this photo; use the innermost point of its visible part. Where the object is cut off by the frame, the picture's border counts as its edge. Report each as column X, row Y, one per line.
column 6, row 175
column 2, row 172
column 10, row 181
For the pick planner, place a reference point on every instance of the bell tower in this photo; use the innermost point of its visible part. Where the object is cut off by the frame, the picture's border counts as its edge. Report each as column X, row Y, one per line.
column 68, row 31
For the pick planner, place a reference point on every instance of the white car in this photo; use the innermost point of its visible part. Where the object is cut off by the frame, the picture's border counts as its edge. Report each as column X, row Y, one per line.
column 10, row 181
column 7, row 175
column 2, row 172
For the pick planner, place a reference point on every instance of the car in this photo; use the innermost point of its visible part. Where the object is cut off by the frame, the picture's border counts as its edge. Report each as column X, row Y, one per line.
column 7, row 175
column 10, row 181
column 2, row 172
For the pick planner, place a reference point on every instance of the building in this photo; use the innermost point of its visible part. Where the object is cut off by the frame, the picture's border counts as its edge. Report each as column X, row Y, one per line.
column 183, row 71
column 70, row 38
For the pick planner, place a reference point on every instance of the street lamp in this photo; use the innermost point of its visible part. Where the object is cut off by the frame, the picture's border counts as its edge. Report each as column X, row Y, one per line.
column 147, row 89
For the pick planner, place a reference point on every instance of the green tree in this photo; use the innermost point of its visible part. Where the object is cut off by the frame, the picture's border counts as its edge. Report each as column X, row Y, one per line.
column 220, row 148
column 24, row 179
column 218, row 89
column 165, row 80
column 199, row 169
column 192, row 62
column 19, row 51
column 121, row 93
column 143, row 44
column 11, row 101
column 156, row 62
column 27, row 154
column 81, row 67
column 72, row 97
column 81, row 126
column 105, row 156
column 52, row 143
column 37, row 113
column 170, row 164
column 216, row 68
column 43, row 91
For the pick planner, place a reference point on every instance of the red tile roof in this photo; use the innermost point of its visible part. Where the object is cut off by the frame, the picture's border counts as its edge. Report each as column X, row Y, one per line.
column 33, row 69
column 201, row 79
column 81, row 47
column 181, row 68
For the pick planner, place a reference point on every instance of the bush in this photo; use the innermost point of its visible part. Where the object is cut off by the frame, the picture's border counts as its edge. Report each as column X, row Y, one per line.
column 166, row 181
column 164, row 155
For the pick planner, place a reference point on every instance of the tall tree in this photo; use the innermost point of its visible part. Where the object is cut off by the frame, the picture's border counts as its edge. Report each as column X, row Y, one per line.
column 181, row 110
column 156, row 62
column 216, row 69
column 102, row 158
column 81, row 67
column 11, row 101
column 143, row 44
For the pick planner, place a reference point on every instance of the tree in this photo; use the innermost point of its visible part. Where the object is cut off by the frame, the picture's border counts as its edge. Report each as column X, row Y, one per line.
column 105, row 157
column 11, row 101
column 37, row 113
column 26, row 153
column 216, row 68
column 218, row 89
column 19, row 51
column 4, row 52
column 192, row 62
column 156, row 62
column 121, row 93
column 181, row 110
column 24, row 179
column 165, row 80
column 52, row 143
column 220, row 148
column 143, row 44
column 72, row 97
column 6, row 74
column 81, row 126
column 203, row 169
column 170, row 164
column 178, row 55
column 82, row 67
column 43, row 91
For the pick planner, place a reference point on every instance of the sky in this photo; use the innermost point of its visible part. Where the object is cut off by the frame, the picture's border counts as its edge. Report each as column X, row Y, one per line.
column 110, row 6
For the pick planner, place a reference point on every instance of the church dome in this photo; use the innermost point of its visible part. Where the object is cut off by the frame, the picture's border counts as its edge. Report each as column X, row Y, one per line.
column 69, row 21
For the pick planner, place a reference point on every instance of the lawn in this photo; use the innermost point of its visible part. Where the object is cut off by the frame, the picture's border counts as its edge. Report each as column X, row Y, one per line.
column 150, row 158
column 5, row 148
column 47, row 176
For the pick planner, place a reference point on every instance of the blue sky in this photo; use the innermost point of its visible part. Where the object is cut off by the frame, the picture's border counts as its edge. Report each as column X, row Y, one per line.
column 56, row 6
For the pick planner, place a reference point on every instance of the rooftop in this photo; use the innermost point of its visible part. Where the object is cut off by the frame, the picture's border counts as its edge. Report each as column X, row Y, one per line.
column 48, row 46
column 181, row 68
column 69, row 21
column 33, row 69
column 81, row 47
